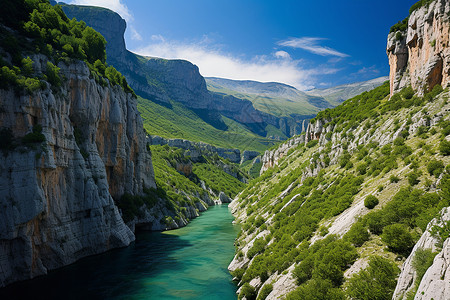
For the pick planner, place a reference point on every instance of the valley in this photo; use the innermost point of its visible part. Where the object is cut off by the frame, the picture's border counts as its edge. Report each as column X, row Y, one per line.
column 125, row 175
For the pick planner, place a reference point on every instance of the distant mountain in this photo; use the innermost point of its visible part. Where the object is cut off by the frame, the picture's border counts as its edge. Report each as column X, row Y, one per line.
column 338, row 94
column 272, row 97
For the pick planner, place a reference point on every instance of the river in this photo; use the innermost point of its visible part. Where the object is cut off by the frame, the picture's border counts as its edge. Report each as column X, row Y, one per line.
column 187, row 263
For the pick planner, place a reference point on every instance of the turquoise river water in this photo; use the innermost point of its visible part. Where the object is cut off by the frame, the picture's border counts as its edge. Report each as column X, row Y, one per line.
column 187, row 263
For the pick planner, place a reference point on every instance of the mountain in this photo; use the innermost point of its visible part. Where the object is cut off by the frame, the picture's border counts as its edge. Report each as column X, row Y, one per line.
column 358, row 206
column 275, row 98
column 338, row 94
column 169, row 83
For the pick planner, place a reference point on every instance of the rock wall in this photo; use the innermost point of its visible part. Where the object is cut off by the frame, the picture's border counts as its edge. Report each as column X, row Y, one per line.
column 56, row 197
column 271, row 157
column 436, row 282
column 421, row 58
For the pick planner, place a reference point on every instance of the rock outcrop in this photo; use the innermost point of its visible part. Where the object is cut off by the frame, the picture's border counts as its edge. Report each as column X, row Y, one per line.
column 271, row 157
column 420, row 55
column 57, row 195
column 436, row 282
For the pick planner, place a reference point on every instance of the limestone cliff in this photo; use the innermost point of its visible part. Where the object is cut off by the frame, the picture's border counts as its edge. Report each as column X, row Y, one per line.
column 57, row 196
column 420, row 55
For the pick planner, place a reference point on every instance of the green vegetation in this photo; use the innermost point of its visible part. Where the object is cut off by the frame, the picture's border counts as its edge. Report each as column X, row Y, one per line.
column 34, row 137
column 178, row 121
column 419, row 4
column 218, row 180
column 299, row 198
column 179, row 190
column 38, row 27
column 371, row 201
column 376, row 282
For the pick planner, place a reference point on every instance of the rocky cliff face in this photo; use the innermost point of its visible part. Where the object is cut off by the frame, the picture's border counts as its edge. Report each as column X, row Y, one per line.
column 271, row 157
column 57, row 196
column 434, row 284
column 420, row 56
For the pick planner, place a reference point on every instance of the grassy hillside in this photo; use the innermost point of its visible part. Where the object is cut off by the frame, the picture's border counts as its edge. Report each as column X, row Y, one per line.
column 337, row 217
column 179, row 122
column 269, row 103
column 179, row 184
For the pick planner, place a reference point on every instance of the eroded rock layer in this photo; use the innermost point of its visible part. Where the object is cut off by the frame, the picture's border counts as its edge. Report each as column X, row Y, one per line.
column 56, row 196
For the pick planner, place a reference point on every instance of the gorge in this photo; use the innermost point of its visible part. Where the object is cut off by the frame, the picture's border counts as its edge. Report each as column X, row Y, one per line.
column 339, row 193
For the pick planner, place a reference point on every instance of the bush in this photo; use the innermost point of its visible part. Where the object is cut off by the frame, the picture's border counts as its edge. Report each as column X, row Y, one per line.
column 377, row 281
column 265, row 291
column 413, row 178
column 398, row 238
column 357, row 235
column 248, row 292
column 312, row 143
column 444, row 147
column 394, row 179
column 35, row 137
column 435, row 167
column 317, row 289
column 423, row 259
column 52, row 73
column 371, row 201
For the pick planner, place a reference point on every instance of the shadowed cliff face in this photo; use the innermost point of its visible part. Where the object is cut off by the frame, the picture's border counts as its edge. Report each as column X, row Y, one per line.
column 57, row 196
column 421, row 58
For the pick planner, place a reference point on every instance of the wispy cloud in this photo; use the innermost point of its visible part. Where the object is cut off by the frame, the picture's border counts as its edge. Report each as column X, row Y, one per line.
column 213, row 62
column 114, row 5
column 312, row 45
column 282, row 54
column 134, row 34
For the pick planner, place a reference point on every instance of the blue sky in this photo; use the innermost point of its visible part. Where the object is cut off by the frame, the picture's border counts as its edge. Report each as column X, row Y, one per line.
column 316, row 43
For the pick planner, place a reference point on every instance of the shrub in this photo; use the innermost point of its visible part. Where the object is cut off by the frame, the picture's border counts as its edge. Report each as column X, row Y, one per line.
column 423, row 259
column 357, row 235
column 248, row 292
column 317, row 289
column 265, row 291
column 371, row 201
column 52, row 73
column 413, row 178
column 435, row 167
column 35, row 137
column 394, row 179
column 398, row 238
column 312, row 143
column 444, row 147
column 377, row 281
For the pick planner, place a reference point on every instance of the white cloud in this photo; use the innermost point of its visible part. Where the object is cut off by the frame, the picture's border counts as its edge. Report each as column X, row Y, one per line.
column 311, row 44
column 213, row 62
column 282, row 54
column 134, row 34
column 115, row 5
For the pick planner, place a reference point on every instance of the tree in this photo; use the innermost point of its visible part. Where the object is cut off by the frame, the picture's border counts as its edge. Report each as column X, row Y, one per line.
column 357, row 235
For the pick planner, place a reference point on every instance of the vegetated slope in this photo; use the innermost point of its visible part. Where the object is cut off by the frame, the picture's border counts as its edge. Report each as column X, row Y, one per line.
column 177, row 121
column 167, row 81
column 340, row 212
column 271, row 97
column 188, row 181
column 338, row 94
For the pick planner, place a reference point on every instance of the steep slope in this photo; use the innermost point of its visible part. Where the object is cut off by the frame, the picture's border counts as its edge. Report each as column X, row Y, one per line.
column 72, row 143
column 166, row 81
column 364, row 181
column 338, row 94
